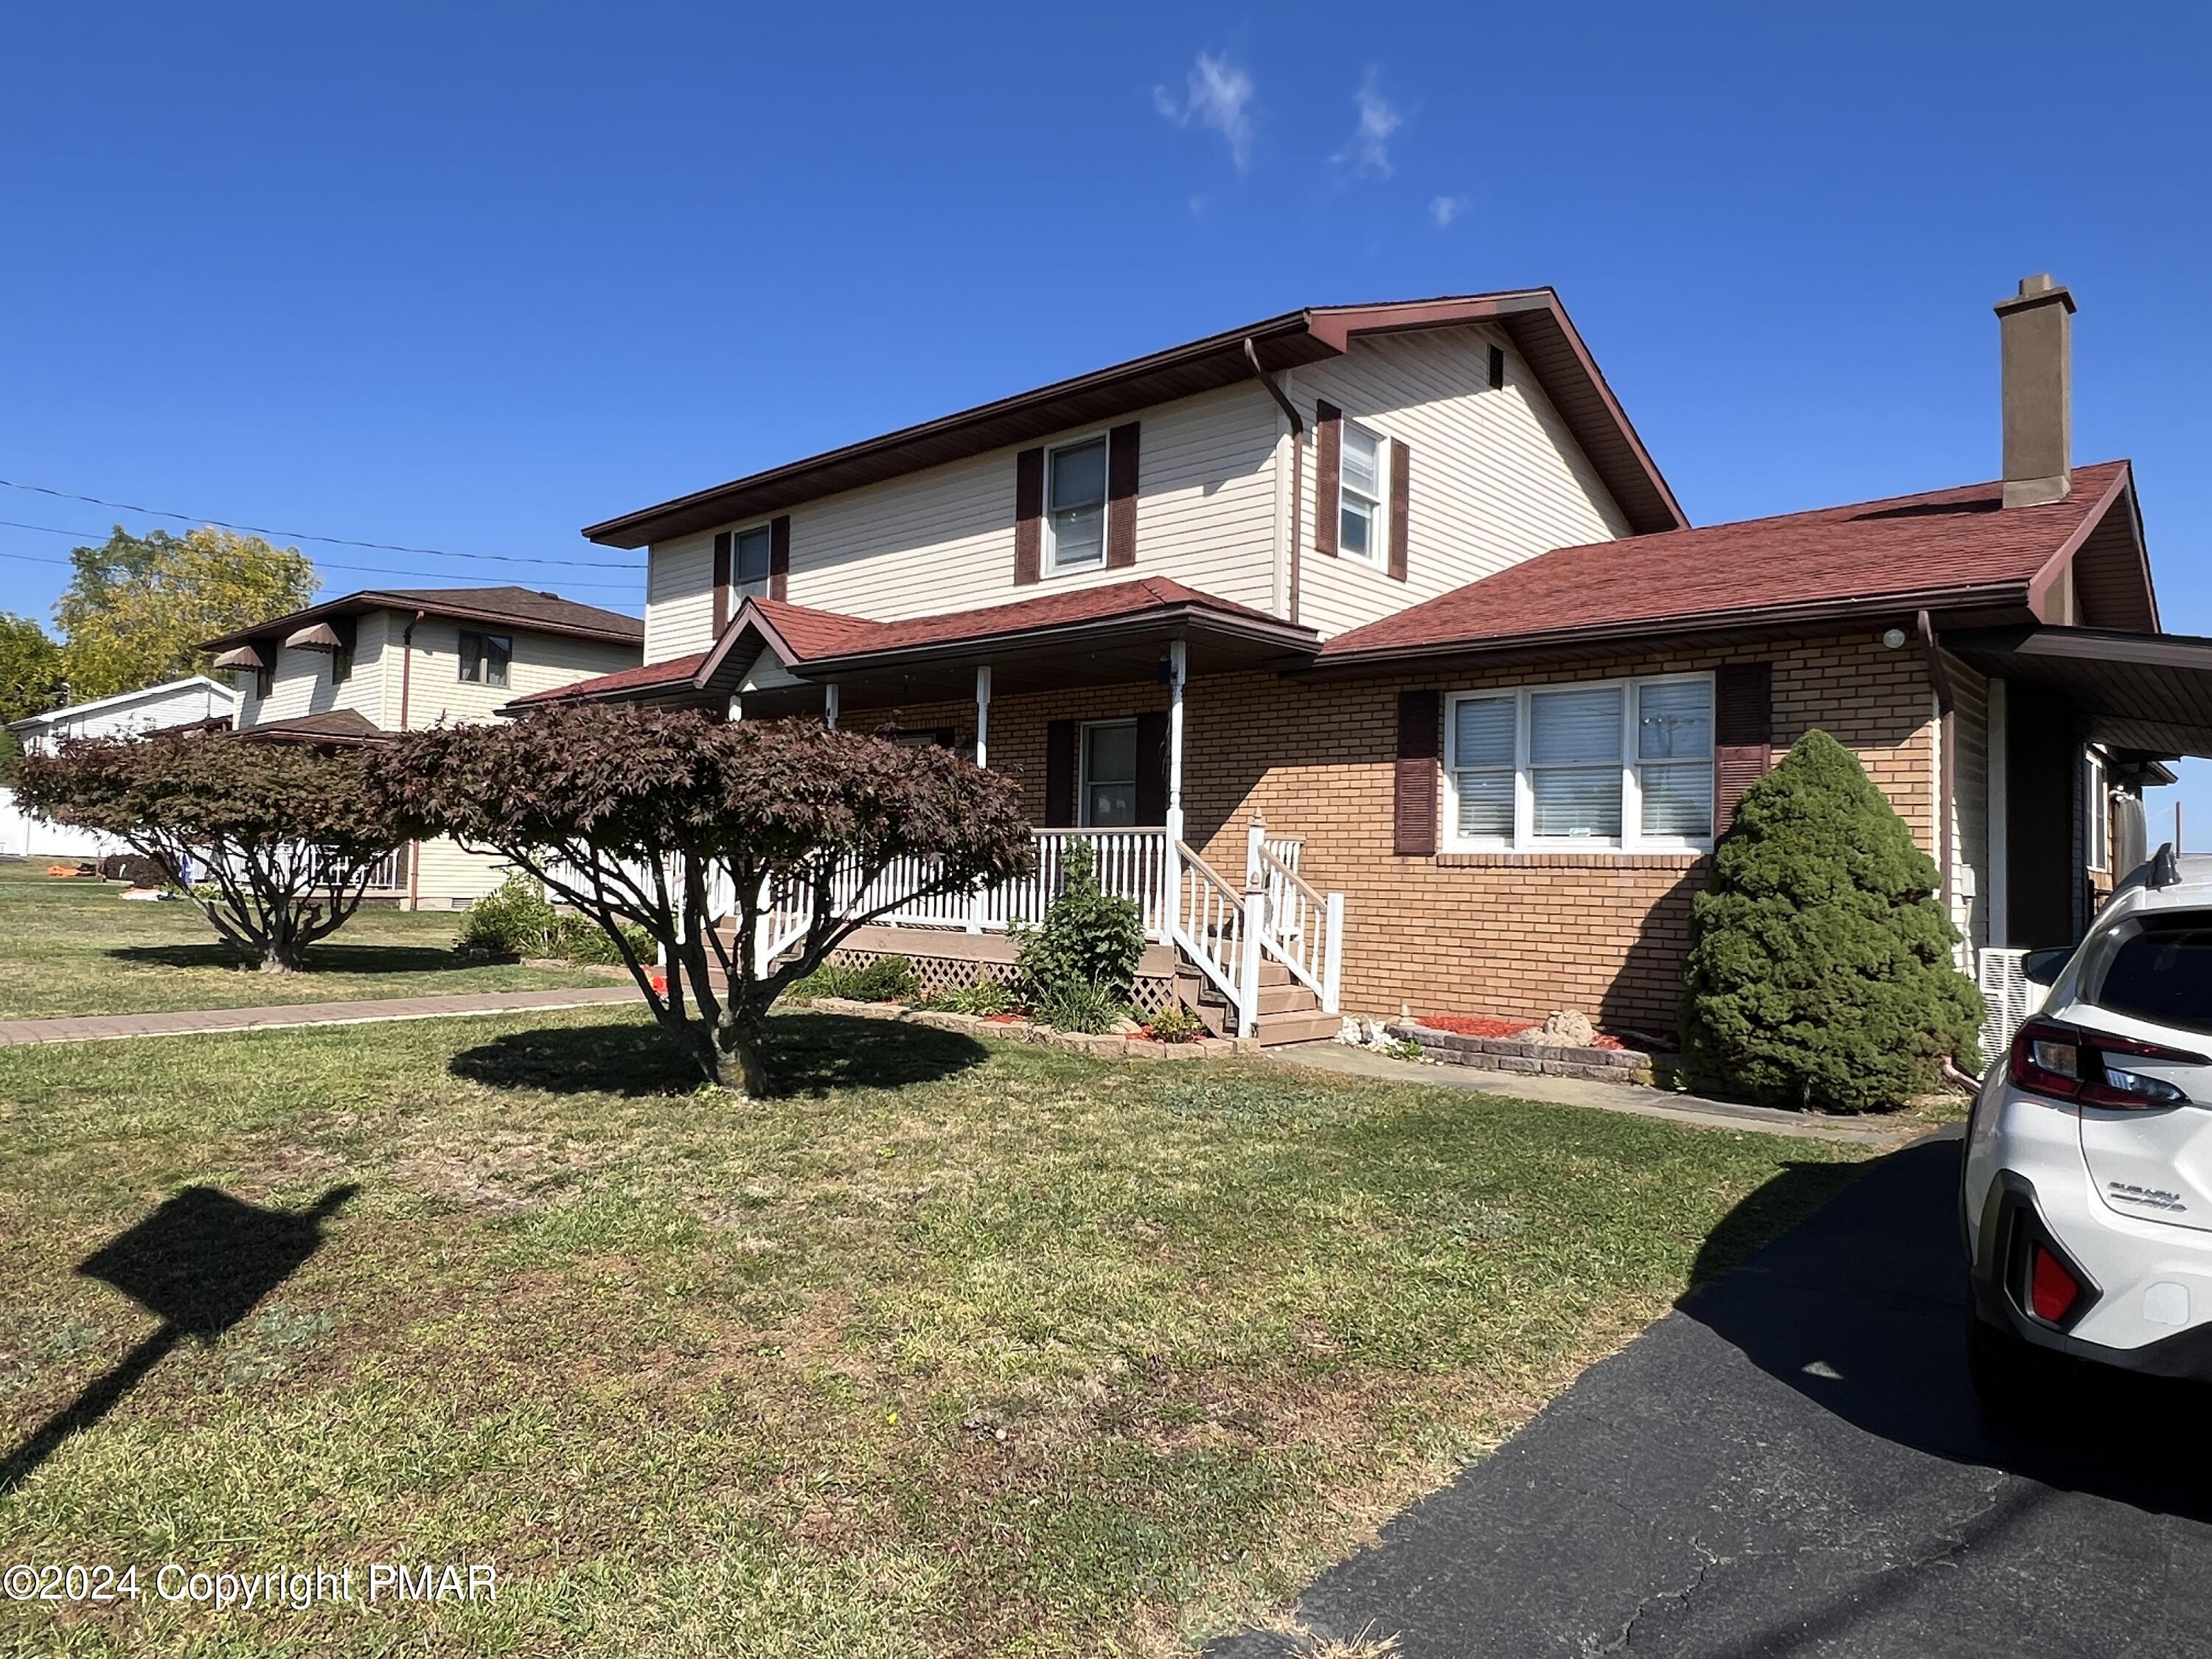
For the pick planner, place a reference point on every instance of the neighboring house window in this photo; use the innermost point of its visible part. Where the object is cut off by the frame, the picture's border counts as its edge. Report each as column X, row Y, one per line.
column 264, row 682
column 341, row 665
column 1617, row 764
column 749, row 563
column 2101, row 814
column 1075, row 505
column 485, row 658
column 1359, row 511
column 1109, row 775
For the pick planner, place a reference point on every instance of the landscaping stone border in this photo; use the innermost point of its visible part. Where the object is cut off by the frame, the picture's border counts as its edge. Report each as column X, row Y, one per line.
column 1105, row 1045
column 1517, row 1054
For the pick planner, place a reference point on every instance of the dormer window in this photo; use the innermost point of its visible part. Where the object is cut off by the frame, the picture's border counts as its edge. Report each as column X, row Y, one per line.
column 750, row 559
column 1359, row 512
column 1075, row 505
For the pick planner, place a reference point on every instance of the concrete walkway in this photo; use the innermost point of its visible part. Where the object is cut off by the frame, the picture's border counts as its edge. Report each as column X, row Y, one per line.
column 1701, row 1110
column 194, row 1022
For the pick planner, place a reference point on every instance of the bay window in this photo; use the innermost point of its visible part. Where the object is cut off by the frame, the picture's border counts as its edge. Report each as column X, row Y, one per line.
column 1616, row 764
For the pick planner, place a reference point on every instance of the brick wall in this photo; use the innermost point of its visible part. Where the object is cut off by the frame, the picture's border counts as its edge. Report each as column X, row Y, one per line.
column 1515, row 934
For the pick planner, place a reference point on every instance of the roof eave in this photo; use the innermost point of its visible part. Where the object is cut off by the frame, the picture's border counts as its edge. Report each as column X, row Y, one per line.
column 1167, row 619
column 1781, row 619
column 369, row 600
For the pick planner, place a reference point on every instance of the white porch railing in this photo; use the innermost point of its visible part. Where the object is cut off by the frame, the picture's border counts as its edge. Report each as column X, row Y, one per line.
column 1224, row 932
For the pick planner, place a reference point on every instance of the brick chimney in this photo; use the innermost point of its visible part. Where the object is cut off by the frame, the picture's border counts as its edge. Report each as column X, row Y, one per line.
column 2037, row 331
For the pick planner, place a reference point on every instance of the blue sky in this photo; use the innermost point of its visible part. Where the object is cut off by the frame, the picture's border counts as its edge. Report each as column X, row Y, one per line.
column 467, row 278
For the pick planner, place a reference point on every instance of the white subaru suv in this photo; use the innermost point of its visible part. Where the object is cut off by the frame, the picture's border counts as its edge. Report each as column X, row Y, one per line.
column 2086, row 1195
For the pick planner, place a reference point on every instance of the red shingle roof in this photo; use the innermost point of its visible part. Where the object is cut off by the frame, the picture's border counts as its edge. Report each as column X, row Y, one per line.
column 676, row 671
column 1943, row 542
column 816, row 636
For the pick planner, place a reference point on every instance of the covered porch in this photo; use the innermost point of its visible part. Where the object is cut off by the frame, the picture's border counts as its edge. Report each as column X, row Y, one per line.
column 1087, row 706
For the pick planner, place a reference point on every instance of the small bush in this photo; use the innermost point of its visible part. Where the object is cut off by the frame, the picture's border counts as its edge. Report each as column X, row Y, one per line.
column 579, row 938
column 985, row 996
column 1089, row 945
column 1820, row 969
column 887, row 979
column 512, row 920
column 1177, row 1024
column 1081, row 1007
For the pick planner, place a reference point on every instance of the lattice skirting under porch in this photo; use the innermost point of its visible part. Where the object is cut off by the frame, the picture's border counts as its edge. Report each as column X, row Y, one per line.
column 1152, row 993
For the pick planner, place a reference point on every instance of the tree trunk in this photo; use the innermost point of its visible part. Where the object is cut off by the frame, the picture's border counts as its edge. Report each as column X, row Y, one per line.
column 735, row 1056
column 283, row 958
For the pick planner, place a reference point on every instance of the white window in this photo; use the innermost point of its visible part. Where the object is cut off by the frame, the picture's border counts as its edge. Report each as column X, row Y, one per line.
column 1359, row 495
column 751, row 553
column 2100, row 811
column 1075, row 505
column 1109, row 775
column 1622, row 765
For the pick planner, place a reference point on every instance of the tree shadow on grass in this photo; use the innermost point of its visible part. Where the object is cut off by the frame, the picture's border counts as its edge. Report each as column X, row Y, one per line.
column 199, row 1263
column 327, row 958
column 809, row 1054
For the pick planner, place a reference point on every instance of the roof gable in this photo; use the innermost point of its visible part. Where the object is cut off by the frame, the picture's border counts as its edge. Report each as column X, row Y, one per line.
column 1533, row 319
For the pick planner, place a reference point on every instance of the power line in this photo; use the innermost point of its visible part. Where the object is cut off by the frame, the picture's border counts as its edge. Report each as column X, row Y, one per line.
column 361, row 569
column 301, row 536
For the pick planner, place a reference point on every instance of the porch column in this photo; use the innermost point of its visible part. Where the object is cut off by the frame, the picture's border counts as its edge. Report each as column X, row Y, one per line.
column 830, row 705
column 737, row 707
column 1171, row 860
column 976, row 900
column 983, row 715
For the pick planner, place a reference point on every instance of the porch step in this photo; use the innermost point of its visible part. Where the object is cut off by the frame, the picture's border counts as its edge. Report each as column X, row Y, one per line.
column 1275, row 1028
column 1288, row 1013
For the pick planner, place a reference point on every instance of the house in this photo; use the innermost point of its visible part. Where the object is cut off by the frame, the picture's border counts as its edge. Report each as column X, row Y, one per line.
column 192, row 702
column 352, row 670
column 1373, row 653
column 197, row 700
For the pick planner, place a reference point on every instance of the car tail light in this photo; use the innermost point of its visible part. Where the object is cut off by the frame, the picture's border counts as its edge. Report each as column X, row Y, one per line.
column 2052, row 1291
column 2071, row 1062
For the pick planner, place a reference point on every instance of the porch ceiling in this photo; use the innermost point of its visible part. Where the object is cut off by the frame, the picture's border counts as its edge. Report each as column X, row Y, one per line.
column 2147, row 692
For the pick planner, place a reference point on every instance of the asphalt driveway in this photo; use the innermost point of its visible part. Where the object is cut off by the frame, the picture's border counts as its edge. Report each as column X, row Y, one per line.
column 1792, row 1463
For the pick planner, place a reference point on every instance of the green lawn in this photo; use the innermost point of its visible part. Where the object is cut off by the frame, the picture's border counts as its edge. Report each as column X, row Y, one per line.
column 75, row 947
column 955, row 1348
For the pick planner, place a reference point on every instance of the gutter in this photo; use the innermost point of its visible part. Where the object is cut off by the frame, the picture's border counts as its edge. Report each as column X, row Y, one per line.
column 1291, row 638
column 1297, row 470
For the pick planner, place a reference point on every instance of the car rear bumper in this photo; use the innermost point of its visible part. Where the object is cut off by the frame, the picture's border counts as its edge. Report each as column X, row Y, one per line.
column 2116, row 1263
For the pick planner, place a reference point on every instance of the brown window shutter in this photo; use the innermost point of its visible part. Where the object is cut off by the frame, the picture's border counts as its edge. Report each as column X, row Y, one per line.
column 779, row 557
column 1419, row 779
column 1152, row 768
column 1743, row 734
column 1401, row 463
column 1028, row 515
column 1060, row 775
column 1328, row 475
column 721, row 582
column 1121, row 498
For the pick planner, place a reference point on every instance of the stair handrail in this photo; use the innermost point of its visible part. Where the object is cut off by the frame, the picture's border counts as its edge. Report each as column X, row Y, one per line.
column 1207, row 920
column 1297, row 934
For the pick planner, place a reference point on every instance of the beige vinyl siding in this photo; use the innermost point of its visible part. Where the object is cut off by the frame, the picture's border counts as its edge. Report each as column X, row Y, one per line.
column 447, row 876
column 364, row 688
column 302, row 686
column 943, row 539
column 541, row 662
column 1495, row 478
column 679, row 597
column 1970, row 817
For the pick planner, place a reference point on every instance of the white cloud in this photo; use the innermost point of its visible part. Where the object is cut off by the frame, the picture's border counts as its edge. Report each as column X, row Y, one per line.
column 1221, row 97
column 1368, row 149
column 1446, row 208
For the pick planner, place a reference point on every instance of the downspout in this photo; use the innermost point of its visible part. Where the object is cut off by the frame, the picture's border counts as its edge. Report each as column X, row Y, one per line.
column 1298, row 462
column 407, row 684
column 1932, row 652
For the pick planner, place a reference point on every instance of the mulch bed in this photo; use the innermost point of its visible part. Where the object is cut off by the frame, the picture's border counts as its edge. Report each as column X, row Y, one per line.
column 1488, row 1025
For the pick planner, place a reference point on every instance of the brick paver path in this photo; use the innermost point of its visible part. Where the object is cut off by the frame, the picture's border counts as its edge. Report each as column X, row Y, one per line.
column 191, row 1022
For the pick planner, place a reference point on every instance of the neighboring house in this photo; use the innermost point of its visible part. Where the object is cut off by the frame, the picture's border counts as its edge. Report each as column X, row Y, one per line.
column 355, row 669
column 197, row 700
column 1384, row 613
